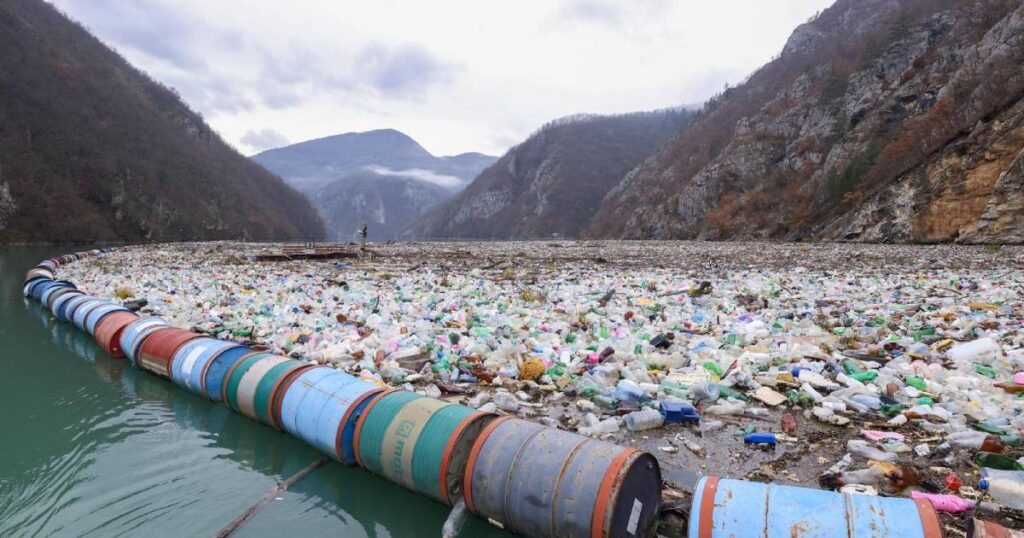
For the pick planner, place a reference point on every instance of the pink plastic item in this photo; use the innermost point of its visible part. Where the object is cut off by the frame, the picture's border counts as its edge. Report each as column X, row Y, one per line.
column 944, row 503
column 1018, row 378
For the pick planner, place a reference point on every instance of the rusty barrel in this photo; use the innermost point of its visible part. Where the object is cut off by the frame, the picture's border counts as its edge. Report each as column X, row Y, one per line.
column 134, row 334
column 219, row 367
column 723, row 508
column 157, row 351
column 97, row 314
column 321, row 406
column 108, row 332
column 84, row 309
column 540, row 481
column 192, row 358
column 418, row 442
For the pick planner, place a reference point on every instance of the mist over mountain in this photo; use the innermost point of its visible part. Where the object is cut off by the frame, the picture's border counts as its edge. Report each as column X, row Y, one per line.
column 554, row 181
column 383, row 178
column 92, row 149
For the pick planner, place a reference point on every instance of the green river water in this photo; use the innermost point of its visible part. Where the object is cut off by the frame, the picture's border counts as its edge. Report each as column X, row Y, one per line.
column 90, row 446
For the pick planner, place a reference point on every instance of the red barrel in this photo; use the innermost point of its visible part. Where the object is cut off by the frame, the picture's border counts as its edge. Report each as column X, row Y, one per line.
column 108, row 332
column 159, row 348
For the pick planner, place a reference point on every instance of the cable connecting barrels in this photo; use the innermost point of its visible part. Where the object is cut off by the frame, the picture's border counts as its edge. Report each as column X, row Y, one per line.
column 528, row 478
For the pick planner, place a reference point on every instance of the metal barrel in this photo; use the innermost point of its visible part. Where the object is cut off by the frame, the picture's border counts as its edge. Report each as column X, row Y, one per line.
column 38, row 272
column 133, row 335
column 55, row 293
column 234, row 375
column 191, row 359
column 723, row 507
column 44, row 291
column 411, row 439
column 540, row 481
column 258, row 385
column 218, row 367
column 157, row 351
column 83, row 310
column 28, row 289
column 108, row 332
column 57, row 305
column 97, row 314
column 67, row 310
column 321, row 407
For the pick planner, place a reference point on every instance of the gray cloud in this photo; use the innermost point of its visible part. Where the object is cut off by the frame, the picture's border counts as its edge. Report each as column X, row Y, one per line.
column 264, row 139
column 593, row 11
column 402, row 70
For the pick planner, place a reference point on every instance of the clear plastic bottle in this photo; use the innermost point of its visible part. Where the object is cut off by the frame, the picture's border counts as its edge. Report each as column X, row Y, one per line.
column 725, row 408
column 864, row 449
column 648, row 419
column 1006, row 487
column 609, row 425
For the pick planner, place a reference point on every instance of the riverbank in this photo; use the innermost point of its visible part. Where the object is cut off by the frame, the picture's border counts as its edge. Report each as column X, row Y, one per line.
column 571, row 333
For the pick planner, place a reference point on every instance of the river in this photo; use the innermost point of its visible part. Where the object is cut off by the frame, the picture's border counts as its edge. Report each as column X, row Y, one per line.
column 93, row 447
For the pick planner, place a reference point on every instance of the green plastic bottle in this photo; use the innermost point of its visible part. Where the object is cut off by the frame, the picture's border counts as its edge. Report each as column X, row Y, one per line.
column 606, row 402
column 713, row 368
column 851, row 367
column 729, row 392
column 997, row 461
column 864, row 377
column 891, row 410
column 916, row 382
column 985, row 370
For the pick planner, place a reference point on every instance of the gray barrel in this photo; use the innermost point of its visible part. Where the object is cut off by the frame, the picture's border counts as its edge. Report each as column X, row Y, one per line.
column 539, row 481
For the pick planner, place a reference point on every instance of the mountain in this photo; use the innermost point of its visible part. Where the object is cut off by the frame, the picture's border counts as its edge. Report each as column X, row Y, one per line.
column 92, row 149
column 881, row 120
column 554, row 181
column 383, row 178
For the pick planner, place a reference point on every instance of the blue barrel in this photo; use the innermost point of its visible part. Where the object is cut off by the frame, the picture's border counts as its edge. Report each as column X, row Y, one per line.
column 55, row 287
column 78, row 319
column 97, row 314
column 540, row 481
column 321, row 407
column 214, row 371
column 54, row 296
column 67, row 309
column 133, row 335
column 723, row 508
column 190, row 362
column 28, row 289
column 47, row 285
column 57, row 308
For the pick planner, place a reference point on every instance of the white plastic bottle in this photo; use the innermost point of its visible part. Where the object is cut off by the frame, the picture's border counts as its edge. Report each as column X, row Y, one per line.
column 647, row 419
column 1006, row 487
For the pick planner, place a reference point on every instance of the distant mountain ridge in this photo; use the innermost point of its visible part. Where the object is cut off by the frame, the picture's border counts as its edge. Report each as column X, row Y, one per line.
column 554, row 181
column 92, row 149
column 382, row 177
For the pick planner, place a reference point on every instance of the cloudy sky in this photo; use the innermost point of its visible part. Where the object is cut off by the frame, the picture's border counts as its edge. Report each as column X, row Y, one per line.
column 457, row 76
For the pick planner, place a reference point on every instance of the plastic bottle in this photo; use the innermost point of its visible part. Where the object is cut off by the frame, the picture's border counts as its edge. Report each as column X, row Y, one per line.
column 944, row 503
column 872, row 476
column 997, row 461
column 627, row 390
column 972, row 351
column 1006, row 487
column 648, row 419
column 725, row 408
column 506, row 402
column 704, row 392
column 609, row 425
column 977, row 440
column 760, row 438
column 864, row 449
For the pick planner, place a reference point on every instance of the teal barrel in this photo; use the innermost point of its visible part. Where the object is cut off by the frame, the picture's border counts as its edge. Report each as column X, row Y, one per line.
column 260, row 384
column 234, row 375
column 418, row 442
column 218, row 367
column 540, row 481
column 192, row 358
column 724, row 508
column 134, row 334
column 321, row 406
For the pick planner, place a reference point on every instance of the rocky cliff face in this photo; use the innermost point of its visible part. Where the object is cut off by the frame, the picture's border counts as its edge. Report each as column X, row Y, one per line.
column 881, row 120
column 554, row 181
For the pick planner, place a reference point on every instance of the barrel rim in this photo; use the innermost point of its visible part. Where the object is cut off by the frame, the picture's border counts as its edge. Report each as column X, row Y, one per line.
column 278, row 399
column 604, row 493
column 474, row 454
column 273, row 400
column 929, row 519
column 215, row 356
column 231, row 371
column 706, row 510
column 346, row 416
column 362, row 420
column 112, row 345
column 133, row 353
column 453, row 440
column 174, row 351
